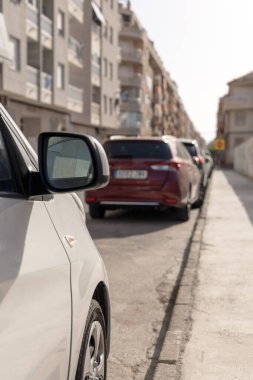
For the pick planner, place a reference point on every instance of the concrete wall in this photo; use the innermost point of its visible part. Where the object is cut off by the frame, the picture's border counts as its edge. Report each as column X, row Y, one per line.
column 243, row 158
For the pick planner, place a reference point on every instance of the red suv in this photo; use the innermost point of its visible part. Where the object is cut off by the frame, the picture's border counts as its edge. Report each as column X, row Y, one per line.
column 147, row 171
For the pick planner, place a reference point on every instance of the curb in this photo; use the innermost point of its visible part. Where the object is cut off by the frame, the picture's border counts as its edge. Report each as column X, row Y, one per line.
column 177, row 324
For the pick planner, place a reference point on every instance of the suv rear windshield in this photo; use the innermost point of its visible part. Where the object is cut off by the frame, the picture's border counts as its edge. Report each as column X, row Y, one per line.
column 138, row 149
column 191, row 149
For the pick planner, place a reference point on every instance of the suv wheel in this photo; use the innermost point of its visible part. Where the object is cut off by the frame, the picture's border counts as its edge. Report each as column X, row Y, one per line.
column 183, row 213
column 92, row 361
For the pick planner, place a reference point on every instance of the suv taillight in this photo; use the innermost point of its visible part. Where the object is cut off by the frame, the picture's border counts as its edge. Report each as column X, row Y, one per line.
column 165, row 167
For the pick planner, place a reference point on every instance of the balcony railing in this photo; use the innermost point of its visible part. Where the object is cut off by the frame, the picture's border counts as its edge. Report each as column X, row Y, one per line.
column 46, row 88
column 75, row 8
column 46, row 25
column 75, row 52
column 96, row 75
column 134, row 125
column 32, row 82
column 95, row 113
column 47, row 81
column 133, row 55
column 131, row 31
column 134, row 80
column 32, row 22
column 47, row 32
column 75, row 99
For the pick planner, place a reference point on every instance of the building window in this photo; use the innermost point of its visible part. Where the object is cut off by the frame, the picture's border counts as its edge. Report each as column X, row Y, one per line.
column 105, row 104
column 111, row 107
column 111, row 35
column 240, row 118
column 15, row 45
column 105, row 67
column 111, row 71
column 60, row 76
column 106, row 31
column 61, row 23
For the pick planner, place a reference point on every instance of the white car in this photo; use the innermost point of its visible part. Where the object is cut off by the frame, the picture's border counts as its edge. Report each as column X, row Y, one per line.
column 55, row 307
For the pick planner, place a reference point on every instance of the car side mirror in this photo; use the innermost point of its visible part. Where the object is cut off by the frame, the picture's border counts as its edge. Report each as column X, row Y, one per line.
column 71, row 162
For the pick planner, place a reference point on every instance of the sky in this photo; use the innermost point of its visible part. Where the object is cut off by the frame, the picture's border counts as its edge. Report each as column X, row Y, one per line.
column 204, row 44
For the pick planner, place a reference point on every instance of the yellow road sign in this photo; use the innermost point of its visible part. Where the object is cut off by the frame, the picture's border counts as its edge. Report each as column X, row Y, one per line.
column 219, row 144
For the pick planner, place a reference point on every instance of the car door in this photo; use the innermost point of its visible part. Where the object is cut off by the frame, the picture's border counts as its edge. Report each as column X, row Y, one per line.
column 86, row 268
column 35, row 313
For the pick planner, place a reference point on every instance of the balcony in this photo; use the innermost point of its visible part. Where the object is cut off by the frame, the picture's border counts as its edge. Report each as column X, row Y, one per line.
column 95, row 113
column 46, row 32
column 96, row 75
column 128, row 128
column 131, row 32
column 32, row 22
column 75, row 99
column 237, row 102
column 158, row 80
column 132, row 55
column 32, row 83
column 75, row 52
column 46, row 88
column 75, row 8
column 131, row 81
column 131, row 104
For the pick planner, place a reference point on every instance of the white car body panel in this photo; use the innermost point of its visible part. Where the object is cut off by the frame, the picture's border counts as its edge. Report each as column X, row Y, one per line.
column 49, row 270
column 35, row 317
column 87, row 268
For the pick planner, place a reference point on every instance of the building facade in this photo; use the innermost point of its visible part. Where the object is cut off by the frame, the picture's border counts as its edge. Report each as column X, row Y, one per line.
column 86, row 66
column 235, row 115
column 55, row 80
column 149, row 99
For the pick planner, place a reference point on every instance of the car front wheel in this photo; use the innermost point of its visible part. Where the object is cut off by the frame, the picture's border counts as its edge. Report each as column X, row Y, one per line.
column 92, row 360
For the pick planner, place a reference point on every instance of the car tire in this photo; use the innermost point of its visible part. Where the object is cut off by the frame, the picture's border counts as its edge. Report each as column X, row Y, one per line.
column 183, row 213
column 199, row 202
column 96, row 212
column 92, row 362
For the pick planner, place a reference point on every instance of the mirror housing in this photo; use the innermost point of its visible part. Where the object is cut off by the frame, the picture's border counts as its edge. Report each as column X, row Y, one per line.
column 71, row 162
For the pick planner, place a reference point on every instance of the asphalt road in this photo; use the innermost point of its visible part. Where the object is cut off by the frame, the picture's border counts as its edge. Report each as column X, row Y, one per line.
column 143, row 252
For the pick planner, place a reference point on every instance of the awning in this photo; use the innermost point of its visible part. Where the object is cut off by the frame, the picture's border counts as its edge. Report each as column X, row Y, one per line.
column 98, row 14
column 6, row 51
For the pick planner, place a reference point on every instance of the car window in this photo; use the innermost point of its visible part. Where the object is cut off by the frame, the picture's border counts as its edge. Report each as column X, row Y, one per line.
column 182, row 152
column 6, row 178
column 138, row 149
column 191, row 149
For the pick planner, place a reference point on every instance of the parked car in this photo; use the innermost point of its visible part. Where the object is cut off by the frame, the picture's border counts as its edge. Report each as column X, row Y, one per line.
column 148, row 172
column 55, row 303
column 209, row 163
column 193, row 148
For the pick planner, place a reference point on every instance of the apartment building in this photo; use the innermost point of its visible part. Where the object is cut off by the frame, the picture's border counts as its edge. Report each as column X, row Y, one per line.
column 51, row 73
column 101, row 86
column 150, row 103
column 235, row 115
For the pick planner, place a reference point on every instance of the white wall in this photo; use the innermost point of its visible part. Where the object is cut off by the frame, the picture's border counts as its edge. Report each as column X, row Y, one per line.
column 243, row 158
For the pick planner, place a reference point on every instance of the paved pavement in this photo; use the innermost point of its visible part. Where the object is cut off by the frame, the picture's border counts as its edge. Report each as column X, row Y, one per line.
column 220, row 345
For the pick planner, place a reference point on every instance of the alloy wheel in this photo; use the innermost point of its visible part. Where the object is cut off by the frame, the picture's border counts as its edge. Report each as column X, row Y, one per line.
column 94, row 365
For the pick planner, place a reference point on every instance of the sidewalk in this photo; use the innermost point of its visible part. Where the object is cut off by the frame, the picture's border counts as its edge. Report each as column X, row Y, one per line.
column 220, row 346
